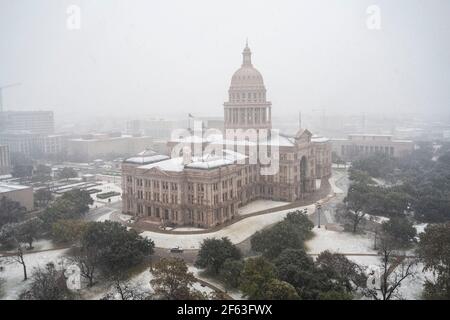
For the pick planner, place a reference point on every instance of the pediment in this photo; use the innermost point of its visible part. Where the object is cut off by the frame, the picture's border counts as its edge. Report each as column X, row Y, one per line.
column 303, row 133
column 156, row 170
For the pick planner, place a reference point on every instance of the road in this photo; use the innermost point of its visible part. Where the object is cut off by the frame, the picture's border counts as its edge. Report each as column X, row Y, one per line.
column 328, row 210
column 97, row 213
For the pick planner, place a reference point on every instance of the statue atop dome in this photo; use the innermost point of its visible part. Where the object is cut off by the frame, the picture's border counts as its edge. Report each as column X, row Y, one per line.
column 247, row 56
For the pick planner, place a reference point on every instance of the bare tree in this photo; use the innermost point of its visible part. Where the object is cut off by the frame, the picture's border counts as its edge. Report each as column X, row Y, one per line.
column 87, row 261
column 125, row 290
column 351, row 216
column 47, row 283
column 395, row 267
column 18, row 257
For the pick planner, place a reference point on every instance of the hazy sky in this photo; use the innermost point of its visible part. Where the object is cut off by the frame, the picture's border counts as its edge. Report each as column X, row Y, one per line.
column 174, row 57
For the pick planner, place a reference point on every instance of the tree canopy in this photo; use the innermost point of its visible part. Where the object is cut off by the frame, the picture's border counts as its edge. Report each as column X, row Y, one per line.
column 434, row 252
column 289, row 233
column 10, row 211
column 173, row 281
column 73, row 204
column 114, row 247
column 214, row 252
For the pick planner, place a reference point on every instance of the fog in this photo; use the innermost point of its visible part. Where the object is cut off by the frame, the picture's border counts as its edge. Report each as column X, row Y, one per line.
column 170, row 58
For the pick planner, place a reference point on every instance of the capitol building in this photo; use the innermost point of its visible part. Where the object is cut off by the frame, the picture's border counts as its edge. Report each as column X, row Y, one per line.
column 207, row 177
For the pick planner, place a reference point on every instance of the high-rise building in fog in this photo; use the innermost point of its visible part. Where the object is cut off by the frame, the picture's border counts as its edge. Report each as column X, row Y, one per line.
column 92, row 146
column 34, row 122
column 5, row 162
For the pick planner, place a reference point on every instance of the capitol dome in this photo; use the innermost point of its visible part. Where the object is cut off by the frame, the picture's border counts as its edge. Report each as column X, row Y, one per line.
column 247, row 107
column 247, row 75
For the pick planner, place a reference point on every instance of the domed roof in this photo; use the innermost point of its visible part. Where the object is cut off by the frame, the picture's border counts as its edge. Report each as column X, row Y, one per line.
column 247, row 75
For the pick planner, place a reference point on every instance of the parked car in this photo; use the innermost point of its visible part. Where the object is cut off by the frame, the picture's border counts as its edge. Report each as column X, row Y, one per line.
column 176, row 250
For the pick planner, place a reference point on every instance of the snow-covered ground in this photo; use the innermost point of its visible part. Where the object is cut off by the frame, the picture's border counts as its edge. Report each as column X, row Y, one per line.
column 236, row 232
column 333, row 180
column 106, row 187
column 380, row 182
column 13, row 271
column 140, row 280
column 43, row 244
column 259, row 205
column 182, row 229
column 377, row 219
column 235, row 294
column 105, row 217
column 124, row 217
column 348, row 243
column 339, row 242
column 38, row 245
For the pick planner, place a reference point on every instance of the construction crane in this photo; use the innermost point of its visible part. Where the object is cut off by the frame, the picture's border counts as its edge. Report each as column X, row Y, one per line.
column 1, row 92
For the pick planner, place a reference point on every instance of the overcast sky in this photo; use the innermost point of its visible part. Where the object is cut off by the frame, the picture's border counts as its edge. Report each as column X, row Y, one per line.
column 174, row 57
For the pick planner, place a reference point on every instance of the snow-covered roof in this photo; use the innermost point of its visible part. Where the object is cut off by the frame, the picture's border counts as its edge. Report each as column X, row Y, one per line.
column 319, row 139
column 11, row 187
column 208, row 161
column 147, row 159
column 282, row 140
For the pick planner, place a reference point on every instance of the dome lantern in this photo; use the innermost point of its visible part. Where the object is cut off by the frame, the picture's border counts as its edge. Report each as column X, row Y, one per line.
column 246, row 56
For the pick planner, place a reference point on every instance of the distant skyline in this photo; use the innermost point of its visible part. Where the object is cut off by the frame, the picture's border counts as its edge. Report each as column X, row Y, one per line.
column 172, row 57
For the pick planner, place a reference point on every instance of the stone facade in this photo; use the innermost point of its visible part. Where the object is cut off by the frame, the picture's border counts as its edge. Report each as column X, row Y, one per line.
column 22, row 194
column 247, row 107
column 93, row 146
column 206, row 189
column 5, row 161
column 357, row 145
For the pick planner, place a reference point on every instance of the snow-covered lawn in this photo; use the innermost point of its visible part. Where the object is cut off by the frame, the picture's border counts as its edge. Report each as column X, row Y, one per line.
column 348, row 243
column 235, row 294
column 140, row 280
column 105, row 217
column 125, row 217
column 339, row 242
column 13, row 271
column 377, row 219
column 105, row 187
column 38, row 245
column 43, row 244
column 259, row 205
column 236, row 232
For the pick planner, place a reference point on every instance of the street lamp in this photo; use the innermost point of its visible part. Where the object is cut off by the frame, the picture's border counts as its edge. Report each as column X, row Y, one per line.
column 318, row 208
